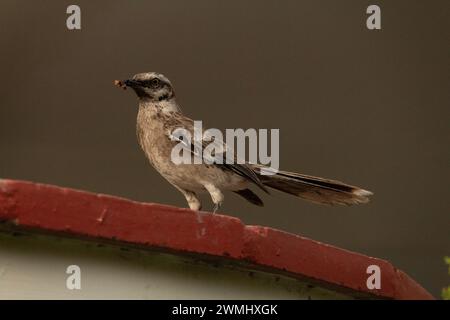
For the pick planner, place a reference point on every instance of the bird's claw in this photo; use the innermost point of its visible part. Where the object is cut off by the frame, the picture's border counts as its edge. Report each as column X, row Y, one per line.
column 217, row 207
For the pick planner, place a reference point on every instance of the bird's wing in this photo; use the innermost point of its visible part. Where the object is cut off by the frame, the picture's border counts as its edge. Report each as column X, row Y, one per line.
column 221, row 157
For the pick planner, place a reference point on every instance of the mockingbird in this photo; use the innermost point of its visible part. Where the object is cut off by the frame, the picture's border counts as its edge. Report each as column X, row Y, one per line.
column 159, row 115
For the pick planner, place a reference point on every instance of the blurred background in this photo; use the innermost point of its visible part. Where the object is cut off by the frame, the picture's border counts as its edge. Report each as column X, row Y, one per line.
column 370, row 108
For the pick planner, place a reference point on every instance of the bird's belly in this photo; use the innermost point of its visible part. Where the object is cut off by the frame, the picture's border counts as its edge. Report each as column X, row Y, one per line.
column 193, row 176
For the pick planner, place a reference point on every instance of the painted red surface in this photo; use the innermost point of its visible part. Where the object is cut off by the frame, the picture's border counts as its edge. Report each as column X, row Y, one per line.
column 50, row 209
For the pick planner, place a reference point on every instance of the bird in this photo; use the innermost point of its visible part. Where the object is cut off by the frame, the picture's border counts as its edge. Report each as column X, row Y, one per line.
column 159, row 114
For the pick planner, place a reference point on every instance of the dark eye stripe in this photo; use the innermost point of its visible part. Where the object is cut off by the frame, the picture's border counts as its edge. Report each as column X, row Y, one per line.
column 152, row 83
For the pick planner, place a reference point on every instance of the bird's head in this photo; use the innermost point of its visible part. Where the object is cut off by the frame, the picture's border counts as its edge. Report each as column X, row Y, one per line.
column 150, row 86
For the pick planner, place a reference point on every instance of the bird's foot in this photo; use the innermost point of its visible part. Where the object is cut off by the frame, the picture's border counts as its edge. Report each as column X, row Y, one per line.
column 217, row 207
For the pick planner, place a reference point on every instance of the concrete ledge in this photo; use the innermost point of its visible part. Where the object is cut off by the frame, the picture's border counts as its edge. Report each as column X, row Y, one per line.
column 40, row 208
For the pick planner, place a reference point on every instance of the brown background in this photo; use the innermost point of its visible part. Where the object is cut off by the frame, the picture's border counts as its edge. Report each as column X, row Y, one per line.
column 367, row 107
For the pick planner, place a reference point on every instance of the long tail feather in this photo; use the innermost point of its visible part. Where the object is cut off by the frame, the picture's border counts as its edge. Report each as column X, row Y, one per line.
column 315, row 189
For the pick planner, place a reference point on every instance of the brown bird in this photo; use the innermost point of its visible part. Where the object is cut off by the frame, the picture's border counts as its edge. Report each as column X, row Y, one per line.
column 159, row 115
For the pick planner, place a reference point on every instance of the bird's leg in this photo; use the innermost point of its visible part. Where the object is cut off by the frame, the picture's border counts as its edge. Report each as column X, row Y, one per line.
column 216, row 196
column 194, row 203
column 217, row 207
column 191, row 198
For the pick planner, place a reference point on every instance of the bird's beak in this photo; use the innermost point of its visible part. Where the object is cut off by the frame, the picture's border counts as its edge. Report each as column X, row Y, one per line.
column 131, row 83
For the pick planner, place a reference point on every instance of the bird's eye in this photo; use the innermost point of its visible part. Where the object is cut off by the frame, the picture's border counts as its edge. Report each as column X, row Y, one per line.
column 155, row 82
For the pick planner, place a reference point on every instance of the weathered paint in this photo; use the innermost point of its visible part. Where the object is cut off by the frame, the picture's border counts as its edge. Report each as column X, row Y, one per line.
column 66, row 212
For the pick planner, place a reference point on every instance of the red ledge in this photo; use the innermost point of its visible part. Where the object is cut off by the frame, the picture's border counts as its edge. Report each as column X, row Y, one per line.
column 50, row 209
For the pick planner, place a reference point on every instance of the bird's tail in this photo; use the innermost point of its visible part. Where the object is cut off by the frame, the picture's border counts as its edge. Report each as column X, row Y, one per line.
column 314, row 189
